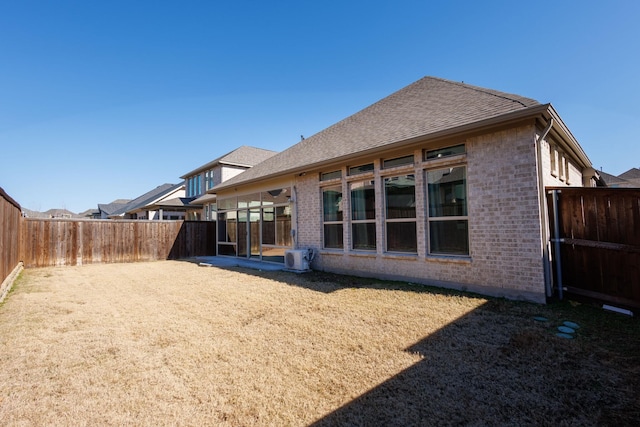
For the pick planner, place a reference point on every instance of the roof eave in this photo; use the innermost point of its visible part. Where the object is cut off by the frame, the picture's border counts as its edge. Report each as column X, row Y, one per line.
column 209, row 165
column 500, row 120
column 565, row 134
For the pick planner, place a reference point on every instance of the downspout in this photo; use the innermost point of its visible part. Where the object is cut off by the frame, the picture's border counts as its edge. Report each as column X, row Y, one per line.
column 294, row 201
column 544, row 220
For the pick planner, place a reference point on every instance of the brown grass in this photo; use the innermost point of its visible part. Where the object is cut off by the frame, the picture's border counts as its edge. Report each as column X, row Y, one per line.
column 171, row 343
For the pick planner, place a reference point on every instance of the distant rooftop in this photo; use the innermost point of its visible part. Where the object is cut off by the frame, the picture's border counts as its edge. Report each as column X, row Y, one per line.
column 244, row 156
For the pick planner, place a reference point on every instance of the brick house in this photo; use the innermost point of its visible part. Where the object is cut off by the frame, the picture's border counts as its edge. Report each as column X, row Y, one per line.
column 440, row 183
column 198, row 182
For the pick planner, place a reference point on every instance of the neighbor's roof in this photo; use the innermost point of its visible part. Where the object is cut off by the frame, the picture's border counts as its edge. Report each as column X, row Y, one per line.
column 178, row 202
column 110, row 208
column 628, row 179
column 426, row 107
column 147, row 198
column 205, row 198
column 609, row 179
column 244, row 156
column 631, row 174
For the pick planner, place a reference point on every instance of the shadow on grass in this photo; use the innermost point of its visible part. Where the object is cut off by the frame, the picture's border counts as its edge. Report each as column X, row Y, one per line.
column 497, row 365
column 326, row 282
column 492, row 367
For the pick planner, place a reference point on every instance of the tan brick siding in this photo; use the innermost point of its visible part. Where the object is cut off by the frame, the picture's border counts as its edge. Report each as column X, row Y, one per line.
column 504, row 224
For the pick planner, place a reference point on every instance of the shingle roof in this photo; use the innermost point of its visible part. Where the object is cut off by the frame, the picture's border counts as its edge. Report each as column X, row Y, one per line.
column 178, row 202
column 628, row 179
column 633, row 173
column 610, row 179
column 110, row 208
column 146, row 198
column 245, row 156
column 425, row 107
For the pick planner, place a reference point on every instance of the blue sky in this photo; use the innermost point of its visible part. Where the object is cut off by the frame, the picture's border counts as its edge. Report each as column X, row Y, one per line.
column 101, row 100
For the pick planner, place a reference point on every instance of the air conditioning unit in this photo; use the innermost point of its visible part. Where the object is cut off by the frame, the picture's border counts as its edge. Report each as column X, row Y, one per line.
column 296, row 259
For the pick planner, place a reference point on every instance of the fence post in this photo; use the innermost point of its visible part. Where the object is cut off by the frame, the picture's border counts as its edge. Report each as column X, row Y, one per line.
column 557, row 240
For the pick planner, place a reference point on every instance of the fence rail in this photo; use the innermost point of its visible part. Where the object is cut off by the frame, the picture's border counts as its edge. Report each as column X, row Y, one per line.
column 51, row 242
column 599, row 236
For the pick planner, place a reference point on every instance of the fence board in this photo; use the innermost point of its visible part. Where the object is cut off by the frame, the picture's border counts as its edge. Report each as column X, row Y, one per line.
column 51, row 242
column 600, row 242
column 10, row 220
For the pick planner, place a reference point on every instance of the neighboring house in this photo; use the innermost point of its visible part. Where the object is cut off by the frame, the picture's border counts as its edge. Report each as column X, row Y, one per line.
column 90, row 214
column 51, row 213
column 107, row 209
column 628, row 179
column 145, row 206
column 205, row 177
column 440, row 183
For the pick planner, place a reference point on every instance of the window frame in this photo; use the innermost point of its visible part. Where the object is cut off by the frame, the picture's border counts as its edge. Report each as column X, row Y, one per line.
column 399, row 220
column 397, row 162
column 367, row 221
column 361, row 169
column 339, row 224
column 330, row 176
column 444, row 152
column 441, row 219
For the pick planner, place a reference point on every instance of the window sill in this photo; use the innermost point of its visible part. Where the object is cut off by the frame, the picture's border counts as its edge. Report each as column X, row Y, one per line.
column 453, row 259
column 326, row 251
column 400, row 256
column 363, row 254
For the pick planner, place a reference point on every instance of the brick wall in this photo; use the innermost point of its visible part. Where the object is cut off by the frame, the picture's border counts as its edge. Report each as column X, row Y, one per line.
column 504, row 225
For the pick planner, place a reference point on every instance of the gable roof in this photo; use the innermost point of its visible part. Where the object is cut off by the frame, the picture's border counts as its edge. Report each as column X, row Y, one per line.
column 146, row 198
column 110, row 208
column 426, row 107
column 610, row 180
column 244, row 156
column 633, row 173
column 628, row 179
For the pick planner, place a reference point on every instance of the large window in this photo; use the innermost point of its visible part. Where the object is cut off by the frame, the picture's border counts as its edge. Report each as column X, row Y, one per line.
column 256, row 225
column 332, row 217
column 269, row 226
column 209, row 180
column 227, row 233
column 276, row 226
column 363, row 215
column 400, row 219
column 448, row 220
column 283, row 226
column 193, row 186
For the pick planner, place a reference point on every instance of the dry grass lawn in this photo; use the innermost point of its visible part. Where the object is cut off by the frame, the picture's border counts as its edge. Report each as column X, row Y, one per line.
column 171, row 343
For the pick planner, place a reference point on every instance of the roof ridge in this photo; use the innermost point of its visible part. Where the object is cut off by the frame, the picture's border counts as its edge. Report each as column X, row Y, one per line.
column 428, row 107
column 481, row 90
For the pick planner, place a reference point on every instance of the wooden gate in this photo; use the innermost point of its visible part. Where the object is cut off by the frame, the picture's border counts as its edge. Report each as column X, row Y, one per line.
column 598, row 237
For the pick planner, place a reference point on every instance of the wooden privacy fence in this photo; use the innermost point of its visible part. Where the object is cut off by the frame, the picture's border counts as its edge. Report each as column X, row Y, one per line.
column 10, row 218
column 599, row 243
column 49, row 242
